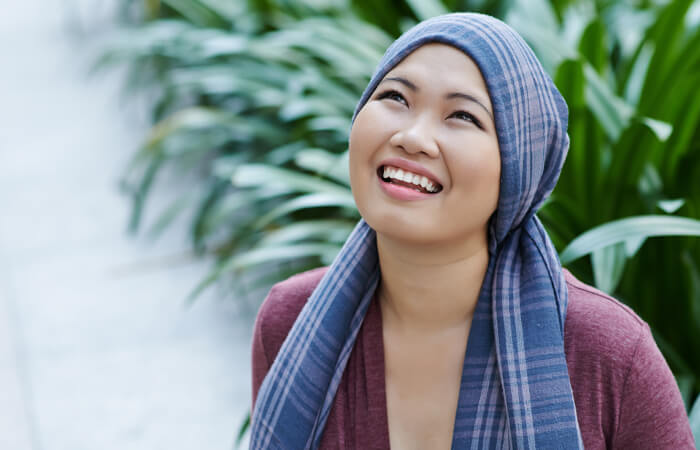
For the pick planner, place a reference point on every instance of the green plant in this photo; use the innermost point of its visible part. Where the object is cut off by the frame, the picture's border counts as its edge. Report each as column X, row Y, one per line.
column 231, row 99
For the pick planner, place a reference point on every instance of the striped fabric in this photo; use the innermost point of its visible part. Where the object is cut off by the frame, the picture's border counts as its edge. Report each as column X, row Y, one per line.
column 515, row 389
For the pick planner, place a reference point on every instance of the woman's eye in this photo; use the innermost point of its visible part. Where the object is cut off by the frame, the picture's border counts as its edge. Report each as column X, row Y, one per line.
column 393, row 95
column 463, row 115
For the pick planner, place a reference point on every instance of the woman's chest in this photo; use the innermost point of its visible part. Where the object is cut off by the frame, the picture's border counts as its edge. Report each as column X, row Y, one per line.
column 422, row 384
column 420, row 419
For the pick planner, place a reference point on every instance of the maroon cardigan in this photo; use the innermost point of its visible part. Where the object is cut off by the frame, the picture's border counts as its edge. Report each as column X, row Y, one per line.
column 625, row 394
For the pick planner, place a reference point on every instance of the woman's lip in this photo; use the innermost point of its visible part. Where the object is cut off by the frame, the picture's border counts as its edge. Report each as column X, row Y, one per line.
column 411, row 167
column 399, row 192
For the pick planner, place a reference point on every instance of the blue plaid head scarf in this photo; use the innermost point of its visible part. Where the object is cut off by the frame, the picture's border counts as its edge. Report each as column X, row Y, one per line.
column 515, row 389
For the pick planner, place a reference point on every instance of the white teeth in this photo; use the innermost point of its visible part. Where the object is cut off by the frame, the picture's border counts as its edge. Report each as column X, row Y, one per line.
column 408, row 177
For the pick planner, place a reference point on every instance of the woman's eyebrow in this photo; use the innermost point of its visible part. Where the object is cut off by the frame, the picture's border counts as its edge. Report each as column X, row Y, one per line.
column 449, row 96
column 452, row 95
column 403, row 81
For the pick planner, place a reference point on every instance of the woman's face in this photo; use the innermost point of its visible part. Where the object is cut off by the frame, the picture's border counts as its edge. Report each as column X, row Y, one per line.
column 432, row 118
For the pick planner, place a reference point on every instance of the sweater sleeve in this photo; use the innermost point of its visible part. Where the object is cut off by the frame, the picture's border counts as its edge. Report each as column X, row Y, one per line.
column 275, row 318
column 652, row 414
column 260, row 361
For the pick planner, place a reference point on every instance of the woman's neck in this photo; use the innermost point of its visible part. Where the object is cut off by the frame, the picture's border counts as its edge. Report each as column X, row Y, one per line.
column 430, row 288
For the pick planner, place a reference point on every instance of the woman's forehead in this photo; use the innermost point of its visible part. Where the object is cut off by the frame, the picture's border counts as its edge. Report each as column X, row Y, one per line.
column 441, row 67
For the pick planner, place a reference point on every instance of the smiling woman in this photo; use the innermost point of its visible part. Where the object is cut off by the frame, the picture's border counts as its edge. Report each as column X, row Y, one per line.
column 424, row 120
column 447, row 321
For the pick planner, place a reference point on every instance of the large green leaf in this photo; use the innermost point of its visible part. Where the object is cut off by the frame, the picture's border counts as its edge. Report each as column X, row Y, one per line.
column 252, row 175
column 325, row 163
column 608, row 266
column 628, row 231
column 323, row 200
column 425, row 9
column 324, row 230
column 262, row 255
column 694, row 288
column 199, row 12
column 694, row 419
column 685, row 386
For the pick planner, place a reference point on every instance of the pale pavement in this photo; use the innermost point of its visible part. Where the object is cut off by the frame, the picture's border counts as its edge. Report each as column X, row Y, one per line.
column 97, row 351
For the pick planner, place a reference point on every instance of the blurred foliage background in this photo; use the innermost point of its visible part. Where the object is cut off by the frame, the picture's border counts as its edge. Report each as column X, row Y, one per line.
column 255, row 97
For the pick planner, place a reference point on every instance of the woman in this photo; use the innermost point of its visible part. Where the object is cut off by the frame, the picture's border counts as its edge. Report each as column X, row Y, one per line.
column 446, row 320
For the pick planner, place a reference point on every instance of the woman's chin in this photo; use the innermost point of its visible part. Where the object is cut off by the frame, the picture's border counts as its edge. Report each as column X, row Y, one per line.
column 415, row 233
column 402, row 230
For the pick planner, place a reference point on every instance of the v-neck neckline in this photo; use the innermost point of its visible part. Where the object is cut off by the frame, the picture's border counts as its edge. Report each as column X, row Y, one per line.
column 375, row 357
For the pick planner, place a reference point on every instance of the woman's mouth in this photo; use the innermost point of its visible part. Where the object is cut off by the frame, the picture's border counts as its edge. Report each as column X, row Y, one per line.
column 402, row 177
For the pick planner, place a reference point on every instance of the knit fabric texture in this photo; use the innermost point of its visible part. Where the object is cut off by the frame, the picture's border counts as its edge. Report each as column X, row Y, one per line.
column 515, row 389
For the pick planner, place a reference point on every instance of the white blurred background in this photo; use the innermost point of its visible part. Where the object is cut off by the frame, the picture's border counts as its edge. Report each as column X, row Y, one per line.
column 97, row 350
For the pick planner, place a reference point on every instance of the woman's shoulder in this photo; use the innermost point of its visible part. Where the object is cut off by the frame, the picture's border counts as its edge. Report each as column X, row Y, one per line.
column 600, row 332
column 599, row 319
column 625, row 393
column 283, row 304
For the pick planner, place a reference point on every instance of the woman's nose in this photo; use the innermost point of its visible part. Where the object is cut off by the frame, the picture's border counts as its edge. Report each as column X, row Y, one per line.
column 417, row 136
